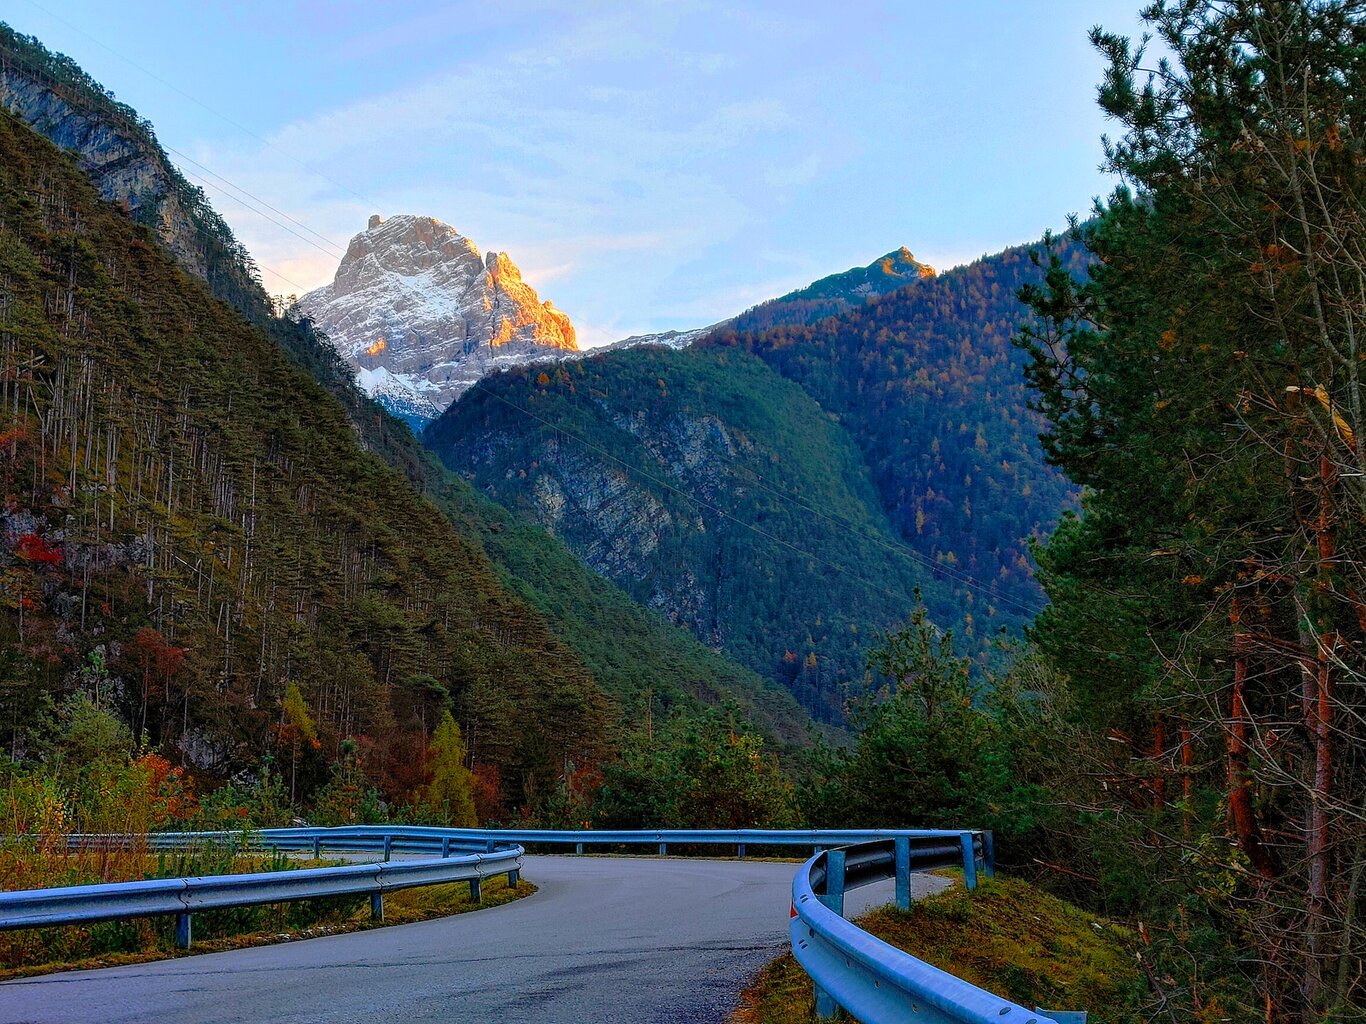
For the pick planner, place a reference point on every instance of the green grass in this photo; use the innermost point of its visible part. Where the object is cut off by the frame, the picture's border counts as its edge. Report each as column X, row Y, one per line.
column 1007, row 937
column 218, row 931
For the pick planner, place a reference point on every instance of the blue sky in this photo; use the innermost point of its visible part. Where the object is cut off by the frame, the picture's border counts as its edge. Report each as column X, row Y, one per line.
column 648, row 165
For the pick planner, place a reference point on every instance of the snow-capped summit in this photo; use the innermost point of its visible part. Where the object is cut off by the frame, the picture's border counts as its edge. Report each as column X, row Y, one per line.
column 422, row 316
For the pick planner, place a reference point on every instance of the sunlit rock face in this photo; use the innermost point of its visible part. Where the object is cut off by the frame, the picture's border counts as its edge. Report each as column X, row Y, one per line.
column 422, row 315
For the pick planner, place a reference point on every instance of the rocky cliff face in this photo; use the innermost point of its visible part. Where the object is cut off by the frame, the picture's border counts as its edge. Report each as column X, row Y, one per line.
column 117, row 151
column 121, row 168
column 422, row 315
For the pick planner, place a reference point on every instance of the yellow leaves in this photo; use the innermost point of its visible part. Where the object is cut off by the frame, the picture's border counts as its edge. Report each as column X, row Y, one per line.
column 1192, row 581
column 1167, row 340
column 1320, row 394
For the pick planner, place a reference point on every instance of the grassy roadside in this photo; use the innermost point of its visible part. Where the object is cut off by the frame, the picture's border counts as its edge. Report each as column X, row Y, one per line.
column 1007, row 937
column 217, row 931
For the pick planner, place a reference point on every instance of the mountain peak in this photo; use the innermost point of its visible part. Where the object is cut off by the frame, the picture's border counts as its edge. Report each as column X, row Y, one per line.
column 417, row 299
column 902, row 263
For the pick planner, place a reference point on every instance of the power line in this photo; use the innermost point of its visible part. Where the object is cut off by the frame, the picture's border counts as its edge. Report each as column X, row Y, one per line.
column 244, row 203
column 200, row 103
column 340, row 249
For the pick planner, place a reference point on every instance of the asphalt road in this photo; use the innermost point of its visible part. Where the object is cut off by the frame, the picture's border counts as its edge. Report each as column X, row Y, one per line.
column 605, row 940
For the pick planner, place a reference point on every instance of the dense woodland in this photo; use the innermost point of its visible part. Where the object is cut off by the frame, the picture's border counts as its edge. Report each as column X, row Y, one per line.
column 927, row 383
column 707, row 486
column 177, row 541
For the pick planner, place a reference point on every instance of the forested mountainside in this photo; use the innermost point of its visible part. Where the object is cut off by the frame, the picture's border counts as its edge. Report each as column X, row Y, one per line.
column 927, row 383
column 784, row 492
column 634, row 653
column 710, row 488
column 191, row 525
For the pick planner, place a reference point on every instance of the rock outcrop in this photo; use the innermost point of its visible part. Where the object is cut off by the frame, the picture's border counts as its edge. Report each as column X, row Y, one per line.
column 422, row 315
column 118, row 152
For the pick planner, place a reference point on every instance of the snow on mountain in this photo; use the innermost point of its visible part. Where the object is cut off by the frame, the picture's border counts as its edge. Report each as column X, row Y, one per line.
column 665, row 339
column 422, row 316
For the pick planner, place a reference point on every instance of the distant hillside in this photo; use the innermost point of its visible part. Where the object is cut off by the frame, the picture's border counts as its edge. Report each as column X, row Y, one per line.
column 783, row 492
column 709, row 488
column 927, row 383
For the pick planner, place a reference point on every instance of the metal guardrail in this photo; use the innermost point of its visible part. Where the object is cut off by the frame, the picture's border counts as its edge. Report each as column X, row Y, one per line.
column 464, row 855
column 850, row 968
column 974, row 849
column 81, row 904
column 873, row 981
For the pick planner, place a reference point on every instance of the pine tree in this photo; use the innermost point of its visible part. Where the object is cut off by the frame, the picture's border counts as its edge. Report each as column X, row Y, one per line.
column 1205, row 386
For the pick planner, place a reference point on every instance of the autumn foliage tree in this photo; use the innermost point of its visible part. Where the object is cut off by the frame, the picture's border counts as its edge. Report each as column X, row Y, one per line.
column 449, row 795
column 296, row 731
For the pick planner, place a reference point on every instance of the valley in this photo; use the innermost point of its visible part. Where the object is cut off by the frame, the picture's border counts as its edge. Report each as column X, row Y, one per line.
column 1045, row 557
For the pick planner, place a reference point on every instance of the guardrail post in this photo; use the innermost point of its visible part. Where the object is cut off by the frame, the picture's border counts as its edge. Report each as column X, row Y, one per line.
column 377, row 906
column 663, row 848
column 513, row 875
column 826, row 1007
column 969, row 860
column 183, row 931
column 488, row 845
column 317, row 847
column 388, row 847
column 578, row 848
column 988, row 855
column 476, row 891
column 834, row 881
column 903, row 871
column 740, row 851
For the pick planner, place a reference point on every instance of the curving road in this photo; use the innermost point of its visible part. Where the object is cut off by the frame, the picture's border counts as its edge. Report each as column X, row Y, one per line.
column 604, row 940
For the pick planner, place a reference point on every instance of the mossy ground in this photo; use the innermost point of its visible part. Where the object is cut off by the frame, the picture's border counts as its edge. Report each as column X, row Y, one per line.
column 1007, row 937
column 351, row 915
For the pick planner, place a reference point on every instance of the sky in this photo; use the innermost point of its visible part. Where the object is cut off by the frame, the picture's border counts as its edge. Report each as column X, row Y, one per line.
column 648, row 165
